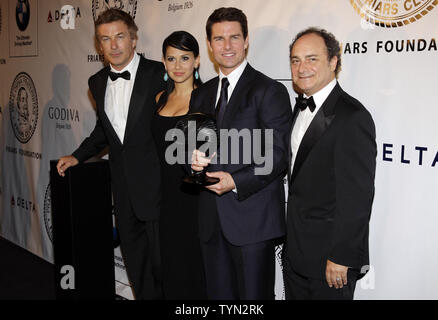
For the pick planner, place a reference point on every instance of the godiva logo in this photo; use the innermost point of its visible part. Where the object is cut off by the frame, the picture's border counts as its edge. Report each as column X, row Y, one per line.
column 393, row 13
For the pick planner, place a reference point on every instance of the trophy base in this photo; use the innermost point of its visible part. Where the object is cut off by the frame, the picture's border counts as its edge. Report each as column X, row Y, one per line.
column 201, row 180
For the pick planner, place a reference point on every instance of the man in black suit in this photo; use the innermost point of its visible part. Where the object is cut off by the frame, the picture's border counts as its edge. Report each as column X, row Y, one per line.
column 124, row 93
column 242, row 216
column 332, row 168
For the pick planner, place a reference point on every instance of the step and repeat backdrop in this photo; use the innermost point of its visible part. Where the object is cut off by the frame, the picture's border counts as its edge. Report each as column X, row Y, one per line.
column 390, row 63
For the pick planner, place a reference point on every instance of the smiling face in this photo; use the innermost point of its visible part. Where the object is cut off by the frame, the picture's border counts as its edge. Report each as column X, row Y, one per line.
column 228, row 45
column 311, row 69
column 116, row 43
column 180, row 64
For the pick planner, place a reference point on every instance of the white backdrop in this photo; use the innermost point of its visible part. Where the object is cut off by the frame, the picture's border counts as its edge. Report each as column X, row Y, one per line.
column 390, row 67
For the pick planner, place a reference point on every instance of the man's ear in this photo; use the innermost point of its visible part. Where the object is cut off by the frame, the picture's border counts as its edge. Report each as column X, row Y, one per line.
column 333, row 63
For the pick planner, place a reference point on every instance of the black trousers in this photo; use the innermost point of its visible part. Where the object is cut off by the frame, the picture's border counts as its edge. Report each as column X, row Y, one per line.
column 299, row 287
column 238, row 272
column 139, row 244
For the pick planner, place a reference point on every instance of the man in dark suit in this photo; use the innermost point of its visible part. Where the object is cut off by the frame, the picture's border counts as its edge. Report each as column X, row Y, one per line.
column 332, row 168
column 124, row 93
column 242, row 215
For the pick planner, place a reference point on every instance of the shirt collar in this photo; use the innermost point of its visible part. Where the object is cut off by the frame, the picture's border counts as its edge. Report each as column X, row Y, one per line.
column 322, row 94
column 234, row 76
column 130, row 67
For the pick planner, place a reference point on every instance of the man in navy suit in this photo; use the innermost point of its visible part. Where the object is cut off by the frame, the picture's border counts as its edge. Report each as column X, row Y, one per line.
column 332, row 167
column 241, row 218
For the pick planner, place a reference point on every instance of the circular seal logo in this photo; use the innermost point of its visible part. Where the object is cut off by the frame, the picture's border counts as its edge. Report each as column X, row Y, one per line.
column 392, row 13
column 48, row 212
column 22, row 14
column 129, row 6
column 23, row 107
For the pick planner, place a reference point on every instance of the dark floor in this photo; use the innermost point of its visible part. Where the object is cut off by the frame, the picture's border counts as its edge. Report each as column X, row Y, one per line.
column 23, row 275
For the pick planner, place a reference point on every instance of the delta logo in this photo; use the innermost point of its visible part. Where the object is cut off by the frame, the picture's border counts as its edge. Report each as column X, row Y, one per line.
column 66, row 16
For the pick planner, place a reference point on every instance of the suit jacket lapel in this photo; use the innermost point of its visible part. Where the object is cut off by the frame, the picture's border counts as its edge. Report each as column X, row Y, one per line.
column 100, row 102
column 138, row 96
column 210, row 107
column 289, row 146
column 233, row 105
column 319, row 124
column 207, row 102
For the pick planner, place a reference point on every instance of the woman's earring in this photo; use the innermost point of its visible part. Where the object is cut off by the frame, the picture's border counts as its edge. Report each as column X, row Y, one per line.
column 166, row 77
column 196, row 74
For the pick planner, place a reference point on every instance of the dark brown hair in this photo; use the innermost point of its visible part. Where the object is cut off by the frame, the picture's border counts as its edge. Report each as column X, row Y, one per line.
column 227, row 14
column 332, row 45
column 113, row 15
column 184, row 41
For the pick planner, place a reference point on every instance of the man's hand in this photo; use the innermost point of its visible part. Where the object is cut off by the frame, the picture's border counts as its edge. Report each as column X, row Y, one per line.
column 64, row 163
column 226, row 181
column 199, row 161
column 225, row 184
column 336, row 275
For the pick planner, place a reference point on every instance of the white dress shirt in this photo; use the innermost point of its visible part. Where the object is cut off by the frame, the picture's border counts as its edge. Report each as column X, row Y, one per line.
column 305, row 117
column 233, row 78
column 118, row 96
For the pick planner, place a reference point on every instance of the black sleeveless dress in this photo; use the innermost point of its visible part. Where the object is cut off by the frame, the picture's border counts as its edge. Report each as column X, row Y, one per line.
column 182, row 266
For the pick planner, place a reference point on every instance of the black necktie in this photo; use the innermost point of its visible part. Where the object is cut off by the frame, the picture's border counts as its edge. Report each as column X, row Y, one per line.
column 222, row 102
column 303, row 103
column 114, row 76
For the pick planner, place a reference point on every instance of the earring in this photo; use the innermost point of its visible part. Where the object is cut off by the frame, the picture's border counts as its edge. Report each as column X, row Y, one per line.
column 166, row 77
column 196, row 74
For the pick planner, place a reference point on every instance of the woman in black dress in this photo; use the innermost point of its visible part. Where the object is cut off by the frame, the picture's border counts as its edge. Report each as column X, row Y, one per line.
column 182, row 267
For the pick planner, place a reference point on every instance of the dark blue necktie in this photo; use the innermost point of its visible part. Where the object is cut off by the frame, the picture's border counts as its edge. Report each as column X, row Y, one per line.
column 222, row 102
column 114, row 76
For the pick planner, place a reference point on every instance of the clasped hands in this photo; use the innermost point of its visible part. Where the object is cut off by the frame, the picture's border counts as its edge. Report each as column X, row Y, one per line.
column 226, row 181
